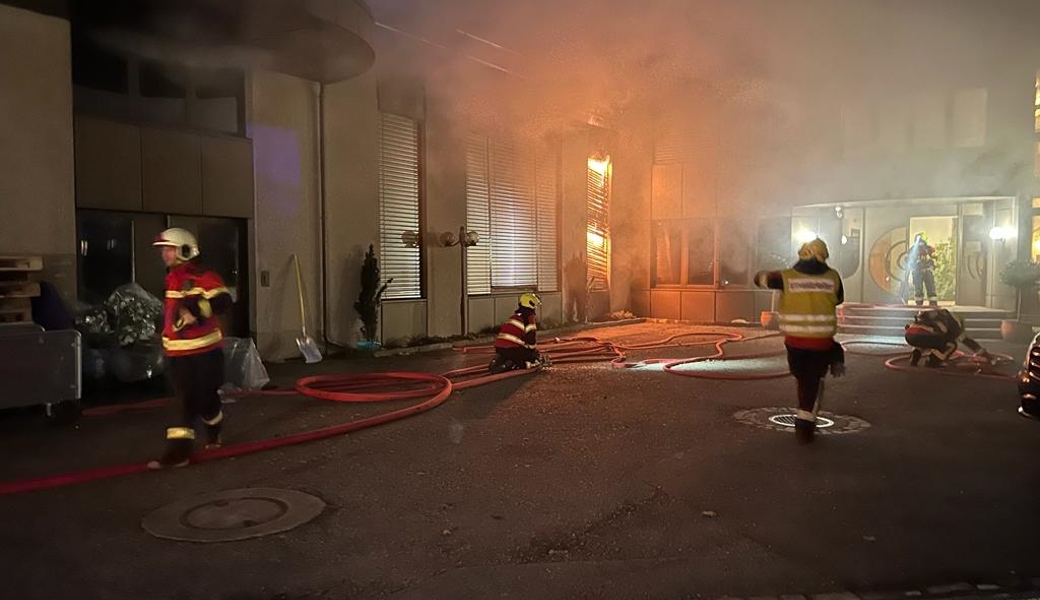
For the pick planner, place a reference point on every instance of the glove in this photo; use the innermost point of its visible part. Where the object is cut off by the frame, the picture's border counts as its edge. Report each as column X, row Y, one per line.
column 837, row 369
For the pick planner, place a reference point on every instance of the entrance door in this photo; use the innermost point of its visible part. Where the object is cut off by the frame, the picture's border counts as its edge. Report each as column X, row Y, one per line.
column 941, row 234
column 971, row 270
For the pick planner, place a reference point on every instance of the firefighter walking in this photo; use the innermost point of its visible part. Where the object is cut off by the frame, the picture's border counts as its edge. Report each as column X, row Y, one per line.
column 810, row 292
column 193, row 344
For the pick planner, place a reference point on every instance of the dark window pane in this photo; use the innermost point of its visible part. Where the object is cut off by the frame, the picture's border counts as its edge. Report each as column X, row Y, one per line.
column 701, row 252
column 161, row 80
column 667, row 252
column 97, row 68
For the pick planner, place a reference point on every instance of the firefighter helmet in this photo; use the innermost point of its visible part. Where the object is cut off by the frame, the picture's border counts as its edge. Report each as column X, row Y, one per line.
column 181, row 239
column 815, row 249
column 530, row 300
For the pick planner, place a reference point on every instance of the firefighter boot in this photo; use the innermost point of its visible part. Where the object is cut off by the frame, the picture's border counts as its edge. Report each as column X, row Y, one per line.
column 213, row 428
column 934, row 362
column 178, row 449
column 804, row 430
column 915, row 357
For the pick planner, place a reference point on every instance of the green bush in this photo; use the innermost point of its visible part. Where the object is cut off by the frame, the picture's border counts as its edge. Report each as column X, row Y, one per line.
column 946, row 270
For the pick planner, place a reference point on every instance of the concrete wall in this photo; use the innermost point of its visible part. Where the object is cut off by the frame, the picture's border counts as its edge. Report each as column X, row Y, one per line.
column 283, row 126
column 37, row 198
column 352, row 197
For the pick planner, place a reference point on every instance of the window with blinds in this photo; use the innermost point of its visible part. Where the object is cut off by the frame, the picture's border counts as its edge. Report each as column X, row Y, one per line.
column 598, row 219
column 399, row 207
column 511, row 201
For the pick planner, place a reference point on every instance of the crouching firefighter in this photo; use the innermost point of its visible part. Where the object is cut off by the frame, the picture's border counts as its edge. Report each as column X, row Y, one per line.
column 936, row 332
column 516, row 346
column 193, row 344
column 810, row 292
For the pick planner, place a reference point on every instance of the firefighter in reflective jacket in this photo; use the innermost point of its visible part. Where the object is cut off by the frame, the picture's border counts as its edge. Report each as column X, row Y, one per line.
column 516, row 346
column 935, row 332
column 810, row 292
column 193, row 344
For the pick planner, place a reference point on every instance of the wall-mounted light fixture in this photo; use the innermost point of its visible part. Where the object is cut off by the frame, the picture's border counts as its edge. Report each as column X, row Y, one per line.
column 999, row 234
column 466, row 238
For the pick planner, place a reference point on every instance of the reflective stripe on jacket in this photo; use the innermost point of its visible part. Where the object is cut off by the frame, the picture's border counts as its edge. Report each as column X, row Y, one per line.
column 808, row 302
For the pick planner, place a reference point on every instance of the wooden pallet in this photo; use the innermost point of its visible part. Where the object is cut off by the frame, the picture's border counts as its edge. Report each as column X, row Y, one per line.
column 19, row 289
column 21, row 263
column 16, row 310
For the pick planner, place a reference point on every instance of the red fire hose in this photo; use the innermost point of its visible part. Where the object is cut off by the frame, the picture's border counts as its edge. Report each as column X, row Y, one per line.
column 382, row 387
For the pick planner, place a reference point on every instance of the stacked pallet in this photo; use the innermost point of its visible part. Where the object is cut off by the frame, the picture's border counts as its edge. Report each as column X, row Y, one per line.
column 18, row 287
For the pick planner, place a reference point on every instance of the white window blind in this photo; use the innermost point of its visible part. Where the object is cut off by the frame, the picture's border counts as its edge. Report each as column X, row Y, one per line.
column 478, row 217
column 547, row 175
column 512, row 196
column 598, row 217
column 399, row 209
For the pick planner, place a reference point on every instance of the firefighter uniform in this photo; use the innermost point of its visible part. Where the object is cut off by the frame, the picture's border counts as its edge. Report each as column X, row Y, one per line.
column 193, row 344
column 516, row 346
column 810, row 292
column 922, row 266
column 936, row 332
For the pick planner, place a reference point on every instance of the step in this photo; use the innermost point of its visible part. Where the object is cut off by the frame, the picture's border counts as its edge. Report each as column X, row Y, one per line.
column 971, row 322
column 978, row 333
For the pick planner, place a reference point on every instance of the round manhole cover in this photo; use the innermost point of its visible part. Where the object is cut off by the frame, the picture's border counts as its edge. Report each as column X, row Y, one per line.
column 233, row 515
column 787, row 420
column 782, row 419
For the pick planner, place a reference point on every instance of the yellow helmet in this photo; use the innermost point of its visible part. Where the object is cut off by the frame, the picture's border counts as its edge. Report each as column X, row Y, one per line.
column 815, row 249
column 530, row 300
column 181, row 239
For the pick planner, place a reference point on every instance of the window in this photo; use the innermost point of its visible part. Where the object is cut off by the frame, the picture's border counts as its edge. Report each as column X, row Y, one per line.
column 684, row 252
column 1036, row 105
column 511, row 201
column 734, row 254
column 399, row 207
column 598, row 223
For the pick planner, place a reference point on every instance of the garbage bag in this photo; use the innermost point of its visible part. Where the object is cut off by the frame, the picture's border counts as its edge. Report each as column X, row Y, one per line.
column 243, row 369
column 94, row 363
column 137, row 362
column 134, row 313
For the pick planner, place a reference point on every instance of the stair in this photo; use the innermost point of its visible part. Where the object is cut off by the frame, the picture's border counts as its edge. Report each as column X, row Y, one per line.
column 869, row 319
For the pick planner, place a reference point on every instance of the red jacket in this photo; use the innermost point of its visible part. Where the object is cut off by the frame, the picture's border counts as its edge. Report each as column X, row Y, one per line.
column 202, row 293
column 518, row 331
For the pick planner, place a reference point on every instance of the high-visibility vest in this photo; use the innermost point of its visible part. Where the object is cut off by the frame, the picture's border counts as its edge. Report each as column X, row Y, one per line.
column 808, row 302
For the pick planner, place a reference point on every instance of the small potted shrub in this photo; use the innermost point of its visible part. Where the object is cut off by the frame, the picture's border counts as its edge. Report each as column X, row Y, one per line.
column 367, row 305
column 1021, row 275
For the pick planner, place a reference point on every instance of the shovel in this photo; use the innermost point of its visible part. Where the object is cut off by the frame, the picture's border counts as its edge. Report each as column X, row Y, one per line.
column 308, row 347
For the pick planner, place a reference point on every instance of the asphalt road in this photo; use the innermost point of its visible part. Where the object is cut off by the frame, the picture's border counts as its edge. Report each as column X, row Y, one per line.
column 580, row 482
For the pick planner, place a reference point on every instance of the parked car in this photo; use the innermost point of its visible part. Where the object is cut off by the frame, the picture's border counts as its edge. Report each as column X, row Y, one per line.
column 1029, row 382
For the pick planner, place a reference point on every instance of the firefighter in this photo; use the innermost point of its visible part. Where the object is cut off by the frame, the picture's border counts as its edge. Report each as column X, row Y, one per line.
column 516, row 346
column 810, row 291
column 193, row 343
column 935, row 332
column 922, row 265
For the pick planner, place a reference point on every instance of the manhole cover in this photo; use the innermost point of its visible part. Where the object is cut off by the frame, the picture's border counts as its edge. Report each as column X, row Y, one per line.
column 782, row 419
column 787, row 420
column 233, row 515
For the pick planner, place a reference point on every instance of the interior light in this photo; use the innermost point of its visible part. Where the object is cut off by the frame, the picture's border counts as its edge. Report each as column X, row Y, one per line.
column 844, row 240
column 805, row 236
column 998, row 234
column 596, row 239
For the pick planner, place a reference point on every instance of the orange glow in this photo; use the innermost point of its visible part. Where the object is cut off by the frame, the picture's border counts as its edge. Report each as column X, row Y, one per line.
column 596, row 239
column 599, row 166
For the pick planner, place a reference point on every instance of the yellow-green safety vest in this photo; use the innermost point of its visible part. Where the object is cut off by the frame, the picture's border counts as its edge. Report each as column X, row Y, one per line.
column 807, row 304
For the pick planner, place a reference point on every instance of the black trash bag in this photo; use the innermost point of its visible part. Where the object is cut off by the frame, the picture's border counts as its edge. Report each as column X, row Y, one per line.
column 137, row 362
column 95, row 363
column 134, row 314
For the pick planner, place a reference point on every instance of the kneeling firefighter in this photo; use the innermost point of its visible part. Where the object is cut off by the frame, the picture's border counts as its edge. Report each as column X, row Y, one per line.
column 935, row 332
column 516, row 346
column 810, row 292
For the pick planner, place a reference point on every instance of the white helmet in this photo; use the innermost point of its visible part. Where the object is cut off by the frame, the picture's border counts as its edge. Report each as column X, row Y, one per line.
column 181, row 239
